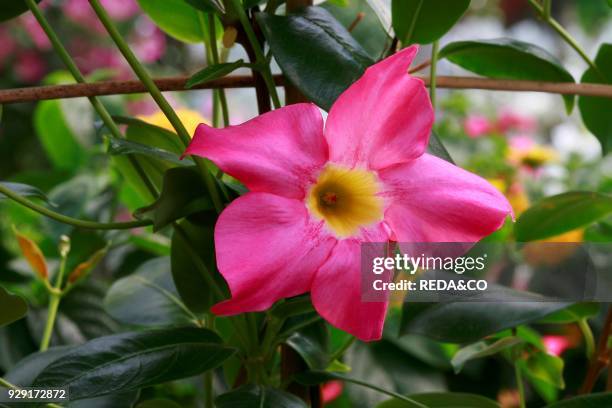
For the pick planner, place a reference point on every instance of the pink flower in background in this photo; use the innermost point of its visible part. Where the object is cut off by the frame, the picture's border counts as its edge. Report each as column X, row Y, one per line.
column 331, row 390
column 555, row 344
column 316, row 193
column 35, row 32
column 511, row 121
column 29, row 66
column 80, row 12
column 120, row 10
column 8, row 46
column 147, row 41
column 476, row 126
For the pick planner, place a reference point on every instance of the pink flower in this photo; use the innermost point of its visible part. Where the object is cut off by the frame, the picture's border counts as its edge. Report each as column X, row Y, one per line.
column 147, row 41
column 476, row 126
column 30, row 67
column 331, row 390
column 8, row 46
column 317, row 193
column 508, row 120
column 35, row 32
column 556, row 345
column 81, row 12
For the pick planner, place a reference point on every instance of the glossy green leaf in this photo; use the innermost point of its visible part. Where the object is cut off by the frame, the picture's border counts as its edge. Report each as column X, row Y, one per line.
column 23, row 190
column 371, row 33
column 561, row 213
column 175, row 17
column 213, row 72
column 57, row 137
column 132, row 360
column 573, row 314
column 442, row 400
column 481, row 349
column 183, row 193
column 594, row 110
column 311, row 344
column 119, row 147
column 422, row 22
column 24, row 373
column 148, row 297
column 188, row 261
column 469, row 321
column 544, row 367
column 254, row 396
column 595, row 400
column 436, row 148
column 208, row 5
column 508, row 59
column 151, row 135
column 327, row 60
column 12, row 307
column 11, row 9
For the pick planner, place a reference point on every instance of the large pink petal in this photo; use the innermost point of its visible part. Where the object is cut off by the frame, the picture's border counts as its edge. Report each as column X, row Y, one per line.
column 277, row 152
column 432, row 200
column 384, row 118
column 268, row 248
column 336, row 290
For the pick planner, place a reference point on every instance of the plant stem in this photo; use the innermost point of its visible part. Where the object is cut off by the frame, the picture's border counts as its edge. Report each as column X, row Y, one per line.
column 432, row 74
column 220, row 94
column 69, row 220
column 260, row 58
column 161, row 101
column 589, row 341
column 520, row 385
column 55, row 296
column 567, row 37
column 600, row 358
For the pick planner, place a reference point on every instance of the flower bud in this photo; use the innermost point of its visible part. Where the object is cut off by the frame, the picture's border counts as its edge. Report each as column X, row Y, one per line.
column 64, row 246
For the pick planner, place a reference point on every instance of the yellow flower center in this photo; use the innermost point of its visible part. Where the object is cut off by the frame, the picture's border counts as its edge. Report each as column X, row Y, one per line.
column 346, row 199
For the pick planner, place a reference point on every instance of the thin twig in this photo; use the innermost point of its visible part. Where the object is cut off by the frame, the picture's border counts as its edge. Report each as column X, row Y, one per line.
column 600, row 358
column 38, row 93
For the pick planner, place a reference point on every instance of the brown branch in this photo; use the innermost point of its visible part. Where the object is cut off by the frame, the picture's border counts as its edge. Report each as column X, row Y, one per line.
column 601, row 358
column 38, row 93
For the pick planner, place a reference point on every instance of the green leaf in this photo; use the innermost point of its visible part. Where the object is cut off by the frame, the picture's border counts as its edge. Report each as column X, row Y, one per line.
column 213, row 72
column 254, row 396
column 498, row 308
column 557, row 214
column 148, row 297
column 371, row 33
column 436, row 148
column 594, row 109
column 425, row 21
column 596, row 400
column 12, row 307
column 327, row 60
column 183, row 193
column 572, row 314
column 23, row 190
column 311, row 344
column 10, row 9
column 158, row 403
column 57, row 137
column 442, row 400
column 147, row 134
column 24, row 373
column 508, row 59
column 541, row 366
column 188, row 259
column 208, row 5
column 177, row 18
column 132, row 360
column 121, row 147
column 481, row 349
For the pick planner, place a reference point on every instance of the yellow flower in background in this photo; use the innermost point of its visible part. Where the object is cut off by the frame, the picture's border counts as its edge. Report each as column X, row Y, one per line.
column 554, row 250
column 515, row 193
column 190, row 119
column 525, row 152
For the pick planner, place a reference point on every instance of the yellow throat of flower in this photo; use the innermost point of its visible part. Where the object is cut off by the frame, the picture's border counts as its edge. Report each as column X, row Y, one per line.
column 346, row 199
